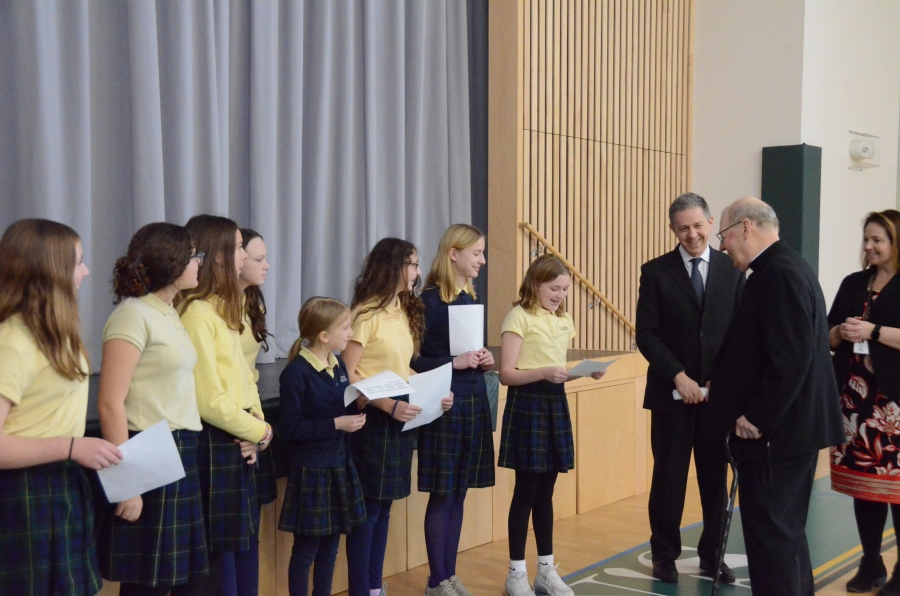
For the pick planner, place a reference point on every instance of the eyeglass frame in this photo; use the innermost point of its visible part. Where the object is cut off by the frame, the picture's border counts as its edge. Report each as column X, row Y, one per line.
column 199, row 255
column 719, row 235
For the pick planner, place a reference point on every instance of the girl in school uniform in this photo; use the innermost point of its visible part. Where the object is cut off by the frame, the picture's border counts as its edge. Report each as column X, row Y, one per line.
column 388, row 323
column 46, row 521
column 456, row 451
column 233, row 428
column 536, row 439
column 153, row 543
column 324, row 498
column 253, row 337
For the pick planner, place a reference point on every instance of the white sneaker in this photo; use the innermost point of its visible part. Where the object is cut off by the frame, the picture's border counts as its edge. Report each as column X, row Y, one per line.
column 442, row 589
column 517, row 584
column 547, row 581
column 459, row 587
column 384, row 589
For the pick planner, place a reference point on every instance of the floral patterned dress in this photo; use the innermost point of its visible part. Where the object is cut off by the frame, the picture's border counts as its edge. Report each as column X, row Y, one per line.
column 866, row 467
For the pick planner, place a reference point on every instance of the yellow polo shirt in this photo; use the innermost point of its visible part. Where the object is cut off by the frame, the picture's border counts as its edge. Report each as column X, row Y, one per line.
column 317, row 364
column 545, row 336
column 221, row 375
column 162, row 387
column 45, row 404
column 386, row 341
column 250, row 347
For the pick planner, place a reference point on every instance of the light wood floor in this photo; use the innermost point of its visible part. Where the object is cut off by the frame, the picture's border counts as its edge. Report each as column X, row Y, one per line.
column 579, row 541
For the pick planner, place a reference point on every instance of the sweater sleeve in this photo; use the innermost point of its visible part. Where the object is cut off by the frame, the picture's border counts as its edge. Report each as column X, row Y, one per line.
column 294, row 425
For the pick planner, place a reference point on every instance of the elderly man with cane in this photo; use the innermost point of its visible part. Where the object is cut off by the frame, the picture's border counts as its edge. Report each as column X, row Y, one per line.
column 772, row 387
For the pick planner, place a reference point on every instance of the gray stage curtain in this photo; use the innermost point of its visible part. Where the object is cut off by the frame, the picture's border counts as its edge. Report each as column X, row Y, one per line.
column 324, row 125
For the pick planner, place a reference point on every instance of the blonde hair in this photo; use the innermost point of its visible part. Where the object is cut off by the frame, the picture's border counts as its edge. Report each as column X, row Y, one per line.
column 458, row 236
column 543, row 270
column 317, row 314
column 37, row 277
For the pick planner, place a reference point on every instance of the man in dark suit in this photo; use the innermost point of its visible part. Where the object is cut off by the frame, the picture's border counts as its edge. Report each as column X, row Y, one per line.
column 685, row 303
column 773, row 390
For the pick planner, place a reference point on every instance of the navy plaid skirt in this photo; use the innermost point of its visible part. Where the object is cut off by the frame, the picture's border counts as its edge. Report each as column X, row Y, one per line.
column 264, row 478
column 456, row 451
column 168, row 541
column 537, row 431
column 47, row 531
column 230, row 508
column 322, row 501
column 382, row 454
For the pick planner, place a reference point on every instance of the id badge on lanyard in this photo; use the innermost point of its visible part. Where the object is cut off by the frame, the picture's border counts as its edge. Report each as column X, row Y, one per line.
column 861, row 347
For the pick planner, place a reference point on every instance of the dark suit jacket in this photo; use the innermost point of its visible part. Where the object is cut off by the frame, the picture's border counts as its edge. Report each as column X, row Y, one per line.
column 775, row 365
column 674, row 331
column 885, row 311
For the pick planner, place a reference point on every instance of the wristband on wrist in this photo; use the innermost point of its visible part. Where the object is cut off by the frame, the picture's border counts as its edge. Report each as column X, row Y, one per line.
column 876, row 332
column 395, row 407
column 268, row 436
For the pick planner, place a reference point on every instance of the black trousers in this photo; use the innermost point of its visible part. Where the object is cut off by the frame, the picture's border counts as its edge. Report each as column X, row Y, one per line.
column 774, row 504
column 672, row 438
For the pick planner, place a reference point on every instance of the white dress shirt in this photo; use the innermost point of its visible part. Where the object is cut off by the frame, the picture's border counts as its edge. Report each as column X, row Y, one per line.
column 703, row 265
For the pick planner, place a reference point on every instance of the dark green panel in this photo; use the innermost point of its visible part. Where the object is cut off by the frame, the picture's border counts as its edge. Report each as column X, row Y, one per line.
column 792, row 185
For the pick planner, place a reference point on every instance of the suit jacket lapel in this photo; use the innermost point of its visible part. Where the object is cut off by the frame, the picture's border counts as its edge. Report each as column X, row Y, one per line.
column 679, row 273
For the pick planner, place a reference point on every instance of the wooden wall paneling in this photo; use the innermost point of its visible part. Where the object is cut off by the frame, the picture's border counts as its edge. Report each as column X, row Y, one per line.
column 416, row 503
column 565, row 493
column 284, row 542
column 642, row 452
column 268, row 532
column 395, row 558
column 478, row 518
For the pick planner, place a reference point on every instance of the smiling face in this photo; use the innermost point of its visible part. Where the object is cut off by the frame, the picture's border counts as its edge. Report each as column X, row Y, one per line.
column 553, row 293
column 411, row 273
column 692, row 228
column 81, row 269
column 336, row 338
column 877, row 245
column 256, row 266
column 468, row 261
column 734, row 242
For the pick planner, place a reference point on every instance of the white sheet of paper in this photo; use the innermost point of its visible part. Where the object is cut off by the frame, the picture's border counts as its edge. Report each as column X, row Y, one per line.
column 150, row 459
column 586, row 368
column 675, row 395
column 385, row 384
column 466, row 328
column 431, row 387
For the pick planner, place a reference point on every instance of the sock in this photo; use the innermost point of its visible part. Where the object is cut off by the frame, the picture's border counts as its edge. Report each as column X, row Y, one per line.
column 545, row 560
column 517, row 566
column 375, row 592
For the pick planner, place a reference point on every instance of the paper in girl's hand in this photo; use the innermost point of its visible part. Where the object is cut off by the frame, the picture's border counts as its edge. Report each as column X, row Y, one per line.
column 433, row 386
column 385, row 384
column 466, row 322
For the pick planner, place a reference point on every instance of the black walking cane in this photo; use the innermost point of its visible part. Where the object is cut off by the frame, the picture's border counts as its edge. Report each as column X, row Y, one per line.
column 728, row 512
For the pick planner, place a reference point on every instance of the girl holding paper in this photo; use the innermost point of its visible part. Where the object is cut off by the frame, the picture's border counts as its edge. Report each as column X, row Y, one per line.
column 388, row 323
column 456, row 451
column 536, row 439
column 153, row 543
column 324, row 498
column 43, row 405
column 233, row 425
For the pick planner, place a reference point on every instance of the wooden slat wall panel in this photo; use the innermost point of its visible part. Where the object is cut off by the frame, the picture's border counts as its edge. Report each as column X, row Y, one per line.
column 606, row 100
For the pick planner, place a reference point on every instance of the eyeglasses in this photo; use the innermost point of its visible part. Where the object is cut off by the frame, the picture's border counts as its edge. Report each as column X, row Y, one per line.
column 199, row 255
column 719, row 235
column 412, row 264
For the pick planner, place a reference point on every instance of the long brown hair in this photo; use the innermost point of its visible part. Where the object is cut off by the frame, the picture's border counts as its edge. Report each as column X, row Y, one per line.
column 37, row 271
column 382, row 273
column 889, row 219
column 317, row 314
column 254, row 301
column 543, row 269
column 458, row 236
column 218, row 277
column 157, row 256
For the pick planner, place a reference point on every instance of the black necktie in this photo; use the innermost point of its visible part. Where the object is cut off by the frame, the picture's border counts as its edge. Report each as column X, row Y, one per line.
column 696, row 278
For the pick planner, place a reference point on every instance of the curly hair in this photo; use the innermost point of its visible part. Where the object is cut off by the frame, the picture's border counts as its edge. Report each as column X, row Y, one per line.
column 383, row 271
column 157, row 255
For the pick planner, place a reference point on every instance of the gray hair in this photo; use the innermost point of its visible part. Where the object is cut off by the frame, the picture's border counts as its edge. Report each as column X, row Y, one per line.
column 760, row 213
column 687, row 201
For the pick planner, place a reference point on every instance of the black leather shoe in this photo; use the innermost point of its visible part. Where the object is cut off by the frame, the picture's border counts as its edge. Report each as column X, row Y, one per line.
column 708, row 569
column 871, row 574
column 665, row 571
column 892, row 587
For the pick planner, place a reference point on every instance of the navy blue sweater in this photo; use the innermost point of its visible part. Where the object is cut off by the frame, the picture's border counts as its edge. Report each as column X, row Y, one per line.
column 435, row 348
column 310, row 401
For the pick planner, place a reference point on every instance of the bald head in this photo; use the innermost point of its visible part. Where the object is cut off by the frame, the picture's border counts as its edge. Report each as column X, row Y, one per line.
column 748, row 226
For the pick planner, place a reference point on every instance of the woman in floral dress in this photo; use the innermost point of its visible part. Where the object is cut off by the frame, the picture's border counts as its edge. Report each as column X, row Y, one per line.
column 865, row 336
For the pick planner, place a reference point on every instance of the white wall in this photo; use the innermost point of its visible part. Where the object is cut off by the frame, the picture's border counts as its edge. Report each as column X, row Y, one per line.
column 851, row 81
column 748, row 64
column 789, row 71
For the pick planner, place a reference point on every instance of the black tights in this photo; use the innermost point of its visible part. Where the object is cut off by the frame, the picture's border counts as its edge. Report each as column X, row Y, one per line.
column 196, row 585
column 533, row 496
column 870, row 519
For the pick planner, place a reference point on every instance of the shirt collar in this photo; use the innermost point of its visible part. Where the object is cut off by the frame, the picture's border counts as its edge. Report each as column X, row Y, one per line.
column 315, row 362
column 687, row 258
column 157, row 303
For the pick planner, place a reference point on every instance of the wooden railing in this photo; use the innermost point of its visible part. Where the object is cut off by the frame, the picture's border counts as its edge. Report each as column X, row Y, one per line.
column 585, row 281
